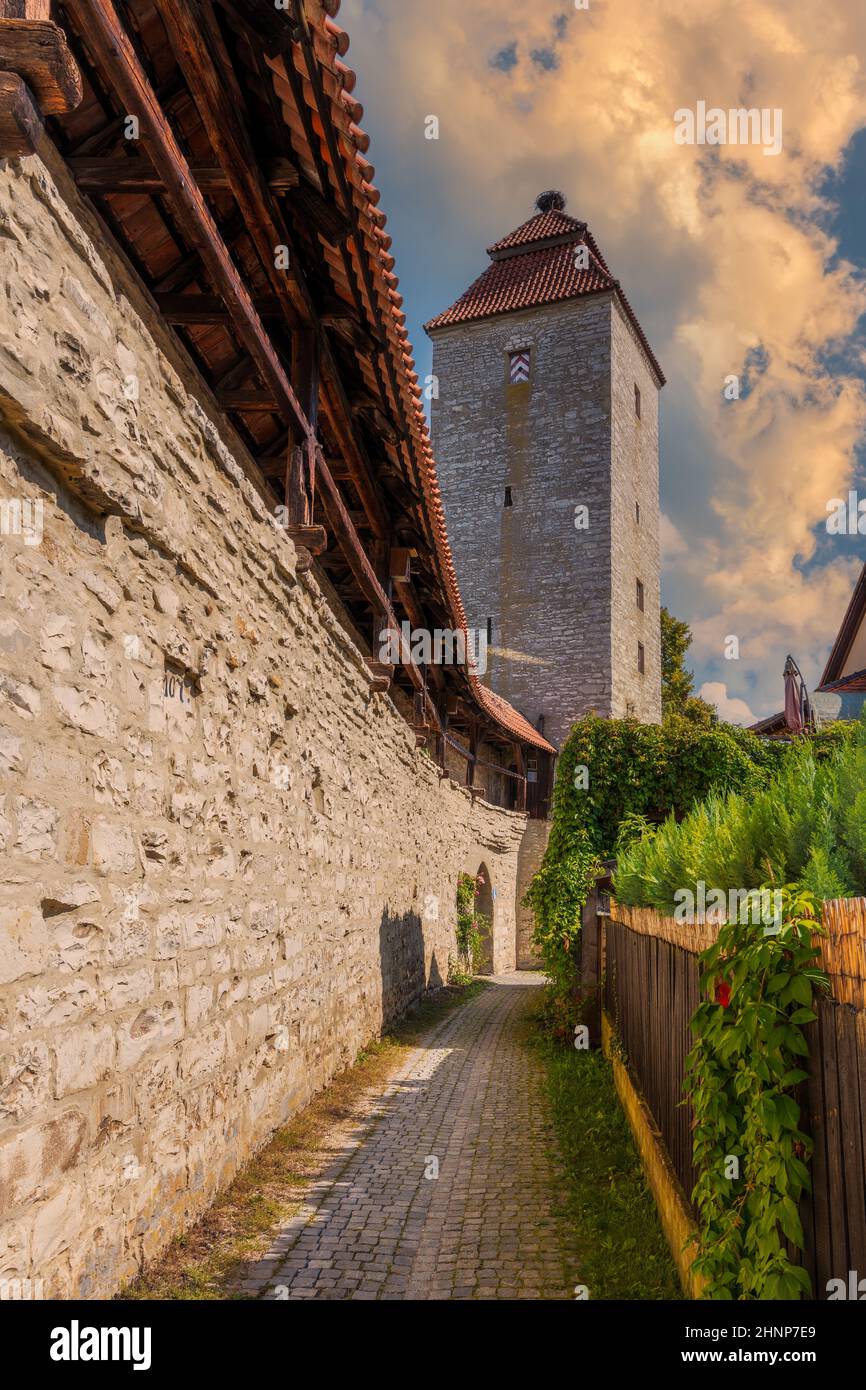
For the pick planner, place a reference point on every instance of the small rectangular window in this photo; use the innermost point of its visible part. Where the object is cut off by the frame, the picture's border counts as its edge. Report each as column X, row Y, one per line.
column 640, row 595
column 637, row 400
column 637, row 512
column 640, row 658
column 489, row 631
column 508, row 502
column 518, row 367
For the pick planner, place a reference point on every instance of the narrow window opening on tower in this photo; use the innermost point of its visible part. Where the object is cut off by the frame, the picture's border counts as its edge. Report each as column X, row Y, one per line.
column 508, row 502
column 637, row 400
column 518, row 366
column 637, row 512
column 489, row 631
column 640, row 595
column 640, row 658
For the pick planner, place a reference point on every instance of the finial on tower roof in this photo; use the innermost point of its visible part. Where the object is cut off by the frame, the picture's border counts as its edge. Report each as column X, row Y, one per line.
column 550, row 201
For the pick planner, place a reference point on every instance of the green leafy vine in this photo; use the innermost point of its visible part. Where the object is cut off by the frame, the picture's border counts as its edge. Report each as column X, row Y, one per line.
column 748, row 1146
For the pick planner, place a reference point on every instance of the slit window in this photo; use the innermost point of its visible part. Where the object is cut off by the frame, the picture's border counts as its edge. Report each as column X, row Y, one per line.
column 637, row 512
column 640, row 658
column 489, row 631
column 639, row 595
column 637, row 400
column 518, row 367
column 508, row 502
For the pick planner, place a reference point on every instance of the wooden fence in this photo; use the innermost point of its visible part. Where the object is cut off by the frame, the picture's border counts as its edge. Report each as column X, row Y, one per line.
column 648, row 970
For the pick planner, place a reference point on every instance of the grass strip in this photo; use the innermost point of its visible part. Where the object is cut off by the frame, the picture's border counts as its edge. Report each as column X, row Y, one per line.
column 622, row 1252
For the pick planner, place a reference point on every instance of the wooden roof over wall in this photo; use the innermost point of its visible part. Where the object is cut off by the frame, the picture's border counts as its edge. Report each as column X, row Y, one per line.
column 247, row 205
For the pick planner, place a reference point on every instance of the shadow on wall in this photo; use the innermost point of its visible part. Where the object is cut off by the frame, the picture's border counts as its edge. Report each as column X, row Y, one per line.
column 484, row 906
column 401, row 964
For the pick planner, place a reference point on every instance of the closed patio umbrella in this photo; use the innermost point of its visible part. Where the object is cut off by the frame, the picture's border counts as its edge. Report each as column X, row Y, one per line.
column 798, row 707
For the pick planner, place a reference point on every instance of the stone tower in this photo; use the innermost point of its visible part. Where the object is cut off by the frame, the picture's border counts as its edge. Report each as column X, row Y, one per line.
column 545, row 432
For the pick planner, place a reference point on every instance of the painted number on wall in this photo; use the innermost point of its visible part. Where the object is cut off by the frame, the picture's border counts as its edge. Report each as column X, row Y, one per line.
column 177, row 688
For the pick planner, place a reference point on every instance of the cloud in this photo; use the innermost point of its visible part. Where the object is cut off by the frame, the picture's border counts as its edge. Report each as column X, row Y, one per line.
column 729, row 708
column 726, row 254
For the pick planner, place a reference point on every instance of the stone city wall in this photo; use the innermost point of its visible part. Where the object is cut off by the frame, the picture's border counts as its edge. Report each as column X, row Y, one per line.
column 223, row 863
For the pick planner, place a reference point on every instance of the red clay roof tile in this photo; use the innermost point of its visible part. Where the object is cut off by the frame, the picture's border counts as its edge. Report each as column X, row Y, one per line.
column 540, row 227
column 523, row 281
column 536, row 265
column 360, row 173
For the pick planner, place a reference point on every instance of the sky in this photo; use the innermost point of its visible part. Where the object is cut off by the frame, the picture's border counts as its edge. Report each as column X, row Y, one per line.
column 738, row 263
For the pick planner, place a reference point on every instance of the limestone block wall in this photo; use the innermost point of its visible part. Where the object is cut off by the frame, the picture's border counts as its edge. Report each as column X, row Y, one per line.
column 635, row 539
column 545, row 585
column 223, row 863
column 532, row 848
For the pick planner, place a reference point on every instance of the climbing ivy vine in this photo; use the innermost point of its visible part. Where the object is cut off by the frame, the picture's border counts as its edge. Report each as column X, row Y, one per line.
column 746, row 1063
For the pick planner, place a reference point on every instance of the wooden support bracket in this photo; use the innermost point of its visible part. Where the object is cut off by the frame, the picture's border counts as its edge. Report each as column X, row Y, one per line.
column 37, row 50
column 382, row 674
column 312, row 538
column 20, row 121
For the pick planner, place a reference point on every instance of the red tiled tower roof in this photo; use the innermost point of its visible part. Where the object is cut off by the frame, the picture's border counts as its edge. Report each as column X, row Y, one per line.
column 536, row 264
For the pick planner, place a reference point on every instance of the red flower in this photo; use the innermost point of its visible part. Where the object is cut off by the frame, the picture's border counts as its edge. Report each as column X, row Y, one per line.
column 723, row 993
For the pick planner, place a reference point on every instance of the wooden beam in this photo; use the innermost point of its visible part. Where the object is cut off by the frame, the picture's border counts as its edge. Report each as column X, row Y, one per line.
column 520, row 765
column 415, row 612
column 132, row 174
column 264, row 23
column 362, row 569
column 312, row 538
column 381, row 674
column 298, row 499
column 263, row 402
column 208, row 308
column 196, row 39
column 326, row 126
column 37, row 50
column 121, row 69
column 207, row 67
column 25, row 9
column 473, row 752
column 21, row 125
column 401, row 565
column 323, row 215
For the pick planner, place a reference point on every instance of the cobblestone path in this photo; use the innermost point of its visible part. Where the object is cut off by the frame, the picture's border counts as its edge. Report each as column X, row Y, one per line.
column 472, row 1097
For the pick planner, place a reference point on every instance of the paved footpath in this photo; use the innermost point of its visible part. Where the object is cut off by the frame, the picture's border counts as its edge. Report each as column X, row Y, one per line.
column 472, row 1097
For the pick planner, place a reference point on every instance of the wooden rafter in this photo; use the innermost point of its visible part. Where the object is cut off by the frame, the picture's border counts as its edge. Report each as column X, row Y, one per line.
column 114, row 53
column 199, row 47
column 338, row 323
column 136, row 175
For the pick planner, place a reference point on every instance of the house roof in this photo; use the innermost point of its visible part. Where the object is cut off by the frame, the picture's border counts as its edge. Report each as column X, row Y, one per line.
column 772, row 724
column 536, row 265
column 855, row 680
column 847, row 632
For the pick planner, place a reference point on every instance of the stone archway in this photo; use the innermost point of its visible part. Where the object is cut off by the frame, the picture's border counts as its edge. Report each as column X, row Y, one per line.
column 484, row 904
